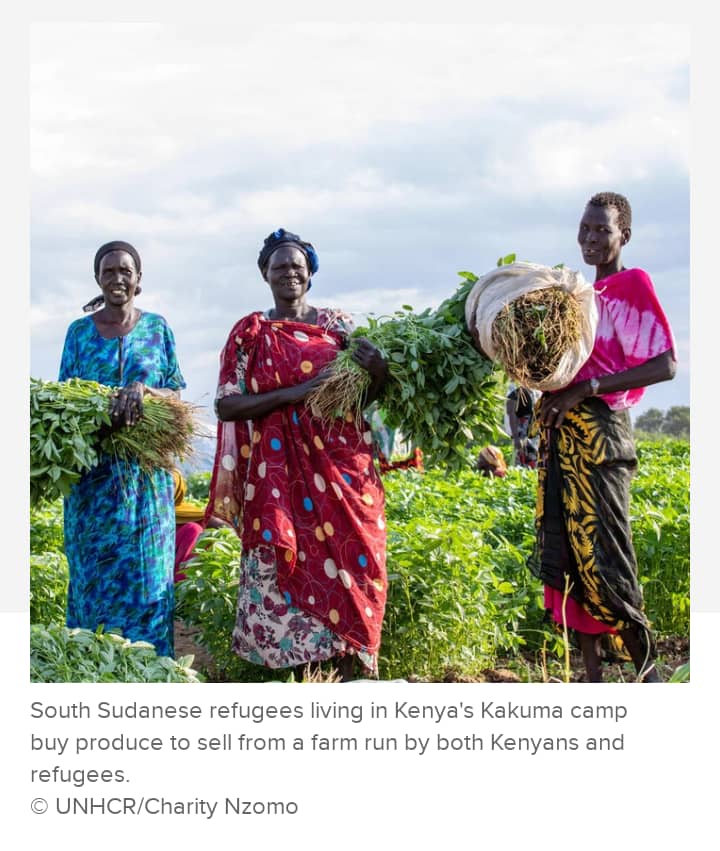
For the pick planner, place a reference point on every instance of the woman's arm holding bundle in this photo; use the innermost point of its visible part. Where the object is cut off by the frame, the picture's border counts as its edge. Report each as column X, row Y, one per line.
column 250, row 406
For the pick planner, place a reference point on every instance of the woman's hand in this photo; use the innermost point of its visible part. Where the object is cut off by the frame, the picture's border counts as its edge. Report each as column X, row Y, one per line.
column 370, row 358
column 298, row 392
column 126, row 406
column 553, row 407
column 218, row 523
column 660, row 368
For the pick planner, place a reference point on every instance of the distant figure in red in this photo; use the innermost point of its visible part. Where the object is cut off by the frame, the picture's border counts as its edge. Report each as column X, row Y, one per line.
column 413, row 461
column 386, row 441
column 189, row 524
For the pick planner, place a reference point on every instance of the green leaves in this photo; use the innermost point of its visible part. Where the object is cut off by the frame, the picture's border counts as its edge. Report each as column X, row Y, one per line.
column 441, row 393
column 459, row 592
column 681, row 674
column 459, row 540
column 62, row 655
column 68, row 421
column 64, row 421
column 660, row 514
column 48, row 587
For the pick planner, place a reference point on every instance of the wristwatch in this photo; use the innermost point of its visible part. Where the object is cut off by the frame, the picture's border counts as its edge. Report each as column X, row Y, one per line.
column 594, row 386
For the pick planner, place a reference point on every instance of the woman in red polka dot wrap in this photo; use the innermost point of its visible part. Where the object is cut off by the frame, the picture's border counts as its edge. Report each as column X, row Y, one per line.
column 303, row 495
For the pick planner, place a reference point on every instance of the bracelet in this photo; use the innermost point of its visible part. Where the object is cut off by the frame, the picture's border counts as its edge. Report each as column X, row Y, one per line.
column 594, row 386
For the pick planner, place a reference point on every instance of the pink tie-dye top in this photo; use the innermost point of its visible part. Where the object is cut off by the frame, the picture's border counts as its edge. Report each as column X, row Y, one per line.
column 632, row 328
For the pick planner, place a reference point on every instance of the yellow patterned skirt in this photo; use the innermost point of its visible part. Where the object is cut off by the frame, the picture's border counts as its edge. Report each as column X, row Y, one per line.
column 584, row 539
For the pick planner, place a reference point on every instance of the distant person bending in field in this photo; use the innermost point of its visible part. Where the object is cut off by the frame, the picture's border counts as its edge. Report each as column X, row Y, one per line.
column 491, row 462
column 587, row 453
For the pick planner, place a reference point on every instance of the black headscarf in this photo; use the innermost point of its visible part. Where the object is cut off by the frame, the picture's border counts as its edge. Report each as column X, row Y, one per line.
column 283, row 237
column 116, row 245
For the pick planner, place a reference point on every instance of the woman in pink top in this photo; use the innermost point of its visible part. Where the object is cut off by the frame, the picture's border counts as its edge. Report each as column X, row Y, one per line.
column 584, row 552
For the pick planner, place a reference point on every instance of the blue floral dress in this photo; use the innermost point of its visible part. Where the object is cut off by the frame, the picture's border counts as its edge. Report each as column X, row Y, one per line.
column 119, row 520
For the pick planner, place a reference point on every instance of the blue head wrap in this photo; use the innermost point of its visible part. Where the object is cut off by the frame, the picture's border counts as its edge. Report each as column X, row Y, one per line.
column 282, row 237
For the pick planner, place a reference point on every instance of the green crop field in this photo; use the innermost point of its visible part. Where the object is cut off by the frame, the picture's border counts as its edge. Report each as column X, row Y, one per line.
column 460, row 601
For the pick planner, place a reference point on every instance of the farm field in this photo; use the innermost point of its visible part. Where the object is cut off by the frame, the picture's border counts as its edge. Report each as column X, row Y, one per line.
column 462, row 606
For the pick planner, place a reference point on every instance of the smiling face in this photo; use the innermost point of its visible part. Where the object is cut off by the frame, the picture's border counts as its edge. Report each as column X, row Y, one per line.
column 601, row 239
column 287, row 274
column 118, row 278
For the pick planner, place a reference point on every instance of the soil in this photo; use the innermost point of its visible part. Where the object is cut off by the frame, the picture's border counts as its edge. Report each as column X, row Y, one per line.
column 672, row 652
column 185, row 645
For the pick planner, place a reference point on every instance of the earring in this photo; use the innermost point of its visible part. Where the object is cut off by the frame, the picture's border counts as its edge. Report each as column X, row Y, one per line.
column 138, row 290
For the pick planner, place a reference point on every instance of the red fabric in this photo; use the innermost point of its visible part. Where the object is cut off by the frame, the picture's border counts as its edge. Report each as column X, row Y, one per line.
column 413, row 461
column 575, row 615
column 186, row 535
column 305, row 488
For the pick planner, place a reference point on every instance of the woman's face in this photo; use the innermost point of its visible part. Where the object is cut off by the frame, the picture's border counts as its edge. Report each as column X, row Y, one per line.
column 287, row 273
column 118, row 278
column 600, row 236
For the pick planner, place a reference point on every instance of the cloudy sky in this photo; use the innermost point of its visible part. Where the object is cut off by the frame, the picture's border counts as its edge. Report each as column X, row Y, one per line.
column 404, row 152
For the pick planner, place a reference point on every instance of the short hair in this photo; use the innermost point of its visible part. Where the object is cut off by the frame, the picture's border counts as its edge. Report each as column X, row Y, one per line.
column 621, row 204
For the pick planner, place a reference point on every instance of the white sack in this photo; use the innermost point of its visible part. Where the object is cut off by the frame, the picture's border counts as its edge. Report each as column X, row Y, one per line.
column 506, row 283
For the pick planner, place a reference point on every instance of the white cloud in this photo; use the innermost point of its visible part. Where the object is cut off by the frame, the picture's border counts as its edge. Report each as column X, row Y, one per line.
column 405, row 151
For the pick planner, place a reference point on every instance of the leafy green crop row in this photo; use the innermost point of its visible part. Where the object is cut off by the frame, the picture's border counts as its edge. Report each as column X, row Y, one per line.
column 459, row 592
column 61, row 655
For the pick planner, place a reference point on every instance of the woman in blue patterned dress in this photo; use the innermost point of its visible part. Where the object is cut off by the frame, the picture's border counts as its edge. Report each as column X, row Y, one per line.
column 119, row 520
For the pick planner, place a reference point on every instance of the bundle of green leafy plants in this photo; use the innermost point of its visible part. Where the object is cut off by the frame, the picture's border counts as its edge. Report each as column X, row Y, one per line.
column 62, row 655
column 441, row 393
column 70, row 428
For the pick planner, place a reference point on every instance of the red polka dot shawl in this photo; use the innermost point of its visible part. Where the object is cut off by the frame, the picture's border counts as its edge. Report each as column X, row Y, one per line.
column 303, row 487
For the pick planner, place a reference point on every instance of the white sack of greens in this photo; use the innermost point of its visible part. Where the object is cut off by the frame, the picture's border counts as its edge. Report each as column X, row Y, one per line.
column 538, row 322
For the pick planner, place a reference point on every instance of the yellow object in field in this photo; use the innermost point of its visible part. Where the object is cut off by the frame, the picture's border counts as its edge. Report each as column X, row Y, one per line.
column 185, row 512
